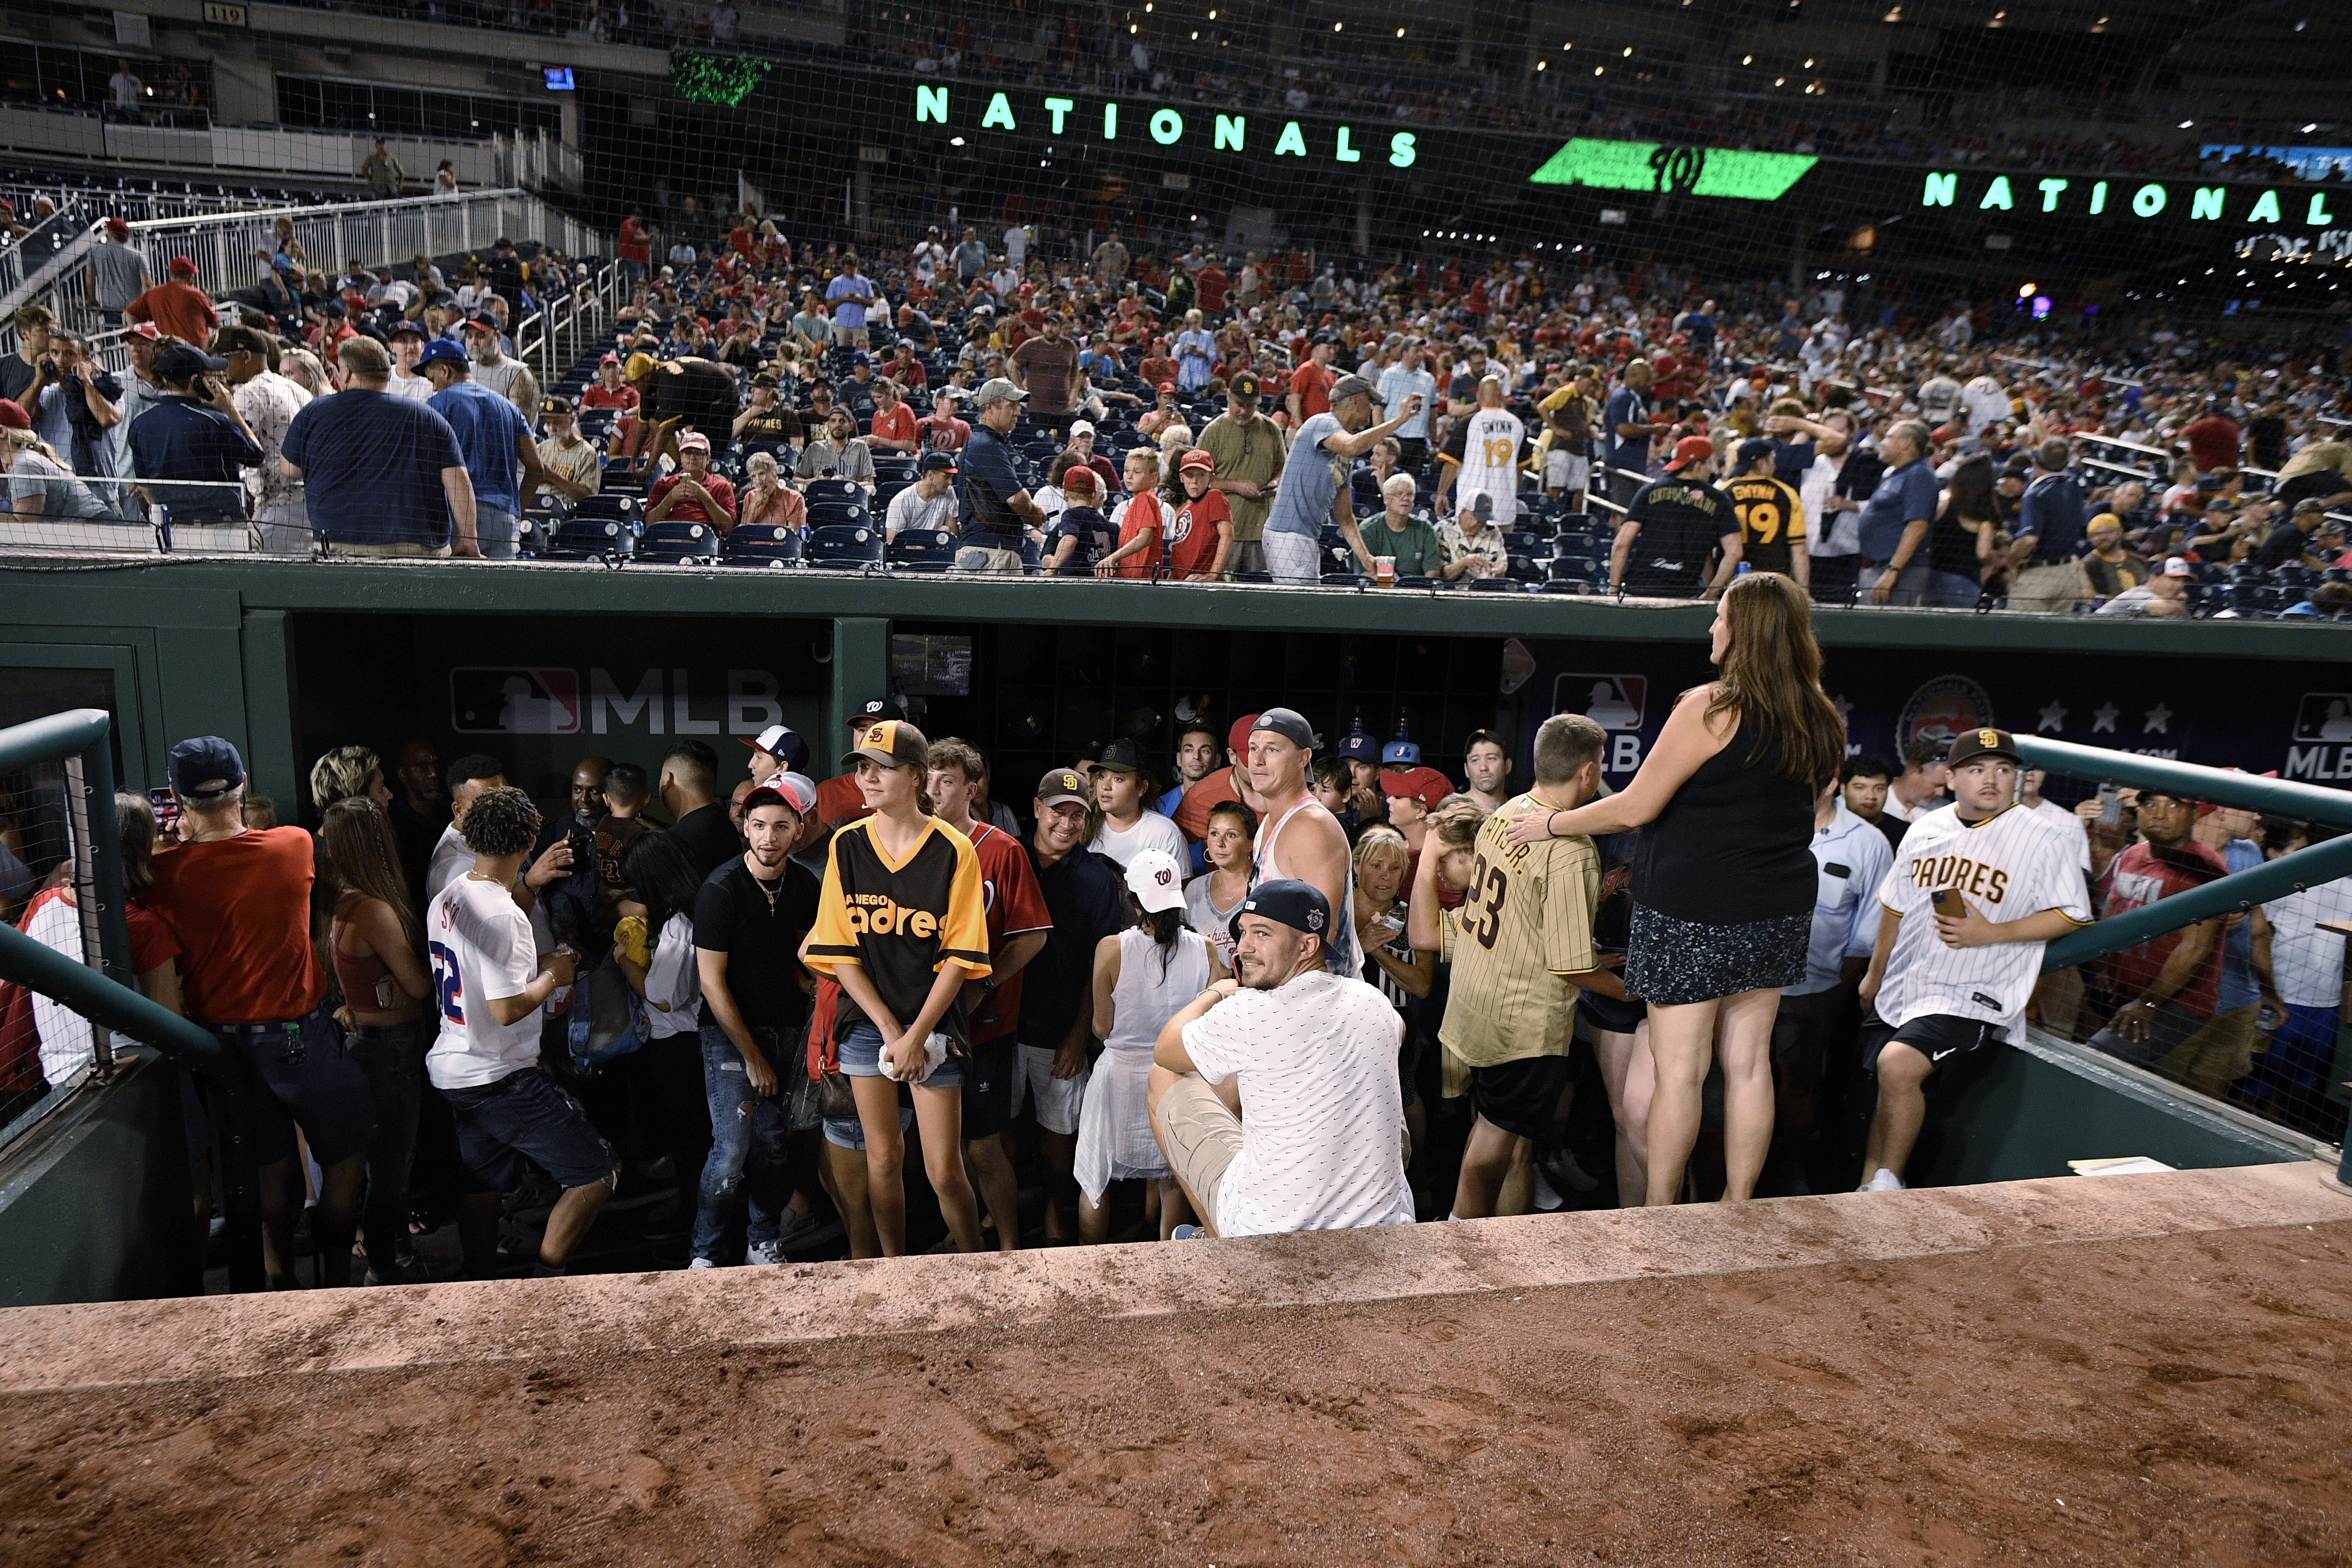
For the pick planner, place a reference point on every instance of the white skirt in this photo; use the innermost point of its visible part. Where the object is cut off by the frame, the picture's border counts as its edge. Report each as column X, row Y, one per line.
column 1115, row 1141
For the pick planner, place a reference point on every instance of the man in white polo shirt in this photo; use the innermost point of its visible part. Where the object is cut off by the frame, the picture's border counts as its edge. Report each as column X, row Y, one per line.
column 1315, row 1056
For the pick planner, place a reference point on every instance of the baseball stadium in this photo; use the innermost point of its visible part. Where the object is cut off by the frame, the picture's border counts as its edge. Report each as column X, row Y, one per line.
column 1527, row 783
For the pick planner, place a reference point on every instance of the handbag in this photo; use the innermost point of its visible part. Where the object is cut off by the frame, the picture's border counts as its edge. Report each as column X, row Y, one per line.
column 606, row 1019
column 836, row 1101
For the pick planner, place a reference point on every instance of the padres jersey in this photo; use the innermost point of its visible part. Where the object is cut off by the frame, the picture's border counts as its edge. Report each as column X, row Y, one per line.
column 901, row 920
column 2012, row 865
column 1490, row 461
column 1771, row 521
column 1525, row 924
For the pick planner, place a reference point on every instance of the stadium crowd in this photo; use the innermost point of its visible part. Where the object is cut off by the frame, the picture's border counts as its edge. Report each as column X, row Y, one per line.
column 1283, row 981
column 1019, row 403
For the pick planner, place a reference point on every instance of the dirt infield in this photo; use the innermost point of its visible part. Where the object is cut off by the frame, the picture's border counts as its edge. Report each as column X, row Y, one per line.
column 2170, row 1392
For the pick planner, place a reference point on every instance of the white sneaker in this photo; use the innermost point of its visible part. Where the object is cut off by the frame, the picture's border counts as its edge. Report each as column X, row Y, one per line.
column 1885, row 1181
column 702, row 1263
column 761, row 1252
column 1546, row 1196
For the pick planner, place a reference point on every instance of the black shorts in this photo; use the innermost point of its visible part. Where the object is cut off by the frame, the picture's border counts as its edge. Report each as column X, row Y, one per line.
column 1801, row 1034
column 526, row 1117
column 1618, row 1016
column 988, row 1074
column 1520, row 1096
column 1944, row 1039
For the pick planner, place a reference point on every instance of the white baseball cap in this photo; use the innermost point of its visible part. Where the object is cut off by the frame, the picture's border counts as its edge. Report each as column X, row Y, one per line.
column 797, row 788
column 1156, row 880
column 1082, row 427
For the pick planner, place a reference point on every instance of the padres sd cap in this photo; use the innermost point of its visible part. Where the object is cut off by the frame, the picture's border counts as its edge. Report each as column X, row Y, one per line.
column 1243, row 385
column 1286, row 902
column 1064, row 787
column 1155, row 880
column 1970, row 745
column 894, row 744
column 1288, row 725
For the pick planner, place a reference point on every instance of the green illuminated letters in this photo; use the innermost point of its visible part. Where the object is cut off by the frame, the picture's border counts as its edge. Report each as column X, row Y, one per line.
column 1290, row 142
column 931, row 104
column 1997, row 194
column 1345, row 153
column 2318, row 213
column 2205, row 202
column 1167, row 125
column 2264, row 210
column 1059, row 108
column 1941, row 189
column 2099, row 198
column 1401, row 154
column 999, row 115
column 2148, row 200
column 1229, row 132
column 2050, row 191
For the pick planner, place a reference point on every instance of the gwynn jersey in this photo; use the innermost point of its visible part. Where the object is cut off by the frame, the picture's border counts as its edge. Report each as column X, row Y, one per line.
column 1771, row 521
column 2013, row 864
column 1525, row 924
column 1490, row 461
column 901, row 920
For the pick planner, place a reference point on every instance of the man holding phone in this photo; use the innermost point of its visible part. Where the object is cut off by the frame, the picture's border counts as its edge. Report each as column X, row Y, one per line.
column 193, row 434
column 1975, row 895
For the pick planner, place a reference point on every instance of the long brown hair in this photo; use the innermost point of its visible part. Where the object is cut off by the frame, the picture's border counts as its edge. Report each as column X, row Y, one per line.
column 357, row 837
column 1771, row 673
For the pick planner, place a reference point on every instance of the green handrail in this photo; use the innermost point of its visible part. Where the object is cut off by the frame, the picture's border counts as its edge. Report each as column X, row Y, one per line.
column 2230, row 895
column 38, row 967
column 2249, row 791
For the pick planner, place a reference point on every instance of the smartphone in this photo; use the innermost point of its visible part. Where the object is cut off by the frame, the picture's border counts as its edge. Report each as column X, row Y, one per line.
column 1946, row 902
column 2111, row 804
column 583, row 848
column 166, row 808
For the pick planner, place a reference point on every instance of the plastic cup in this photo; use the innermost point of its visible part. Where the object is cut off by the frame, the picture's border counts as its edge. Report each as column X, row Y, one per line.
column 1384, row 571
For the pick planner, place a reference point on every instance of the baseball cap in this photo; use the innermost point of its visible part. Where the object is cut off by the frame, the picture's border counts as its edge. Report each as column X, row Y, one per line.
column 2309, row 504
column 406, row 329
column 1755, row 449
column 694, row 441
column 182, row 268
column 1689, row 450
column 610, row 358
column 1082, row 427
column 117, row 228
column 441, row 349
column 1286, row 902
column 334, row 307
column 1153, row 878
column 796, row 787
column 1083, row 481
column 1401, row 752
column 1121, row 756
column 1199, row 459
column 2179, row 567
column 879, row 708
column 996, row 389
column 1243, row 385
column 182, row 362
column 1426, row 785
column 894, row 744
column 147, row 330
column 555, row 405
column 1348, row 386
column 781, row 741
column 2105, row 519
column 1237, row 738
column 197, row 763
column 481, row 323
column 765, row 378
column 1064, row 787
column 938, row 463
column 13, row 415
column 1288, row 725
column 1165, row 386
column 1970, row 745
column 1359, row 747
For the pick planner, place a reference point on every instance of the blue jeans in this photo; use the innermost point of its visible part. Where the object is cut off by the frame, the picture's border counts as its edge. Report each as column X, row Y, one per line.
column 748, row 1134
column 497, row 529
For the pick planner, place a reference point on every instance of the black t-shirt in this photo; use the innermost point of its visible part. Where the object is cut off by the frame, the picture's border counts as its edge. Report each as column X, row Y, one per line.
column 1682, row 525
column 701, row 396
column 708, row 838
column 1082, row 895
column 2320, row 482
column 778, row 427
column 1952, row 547
column 732, row 915
column 2286, row 543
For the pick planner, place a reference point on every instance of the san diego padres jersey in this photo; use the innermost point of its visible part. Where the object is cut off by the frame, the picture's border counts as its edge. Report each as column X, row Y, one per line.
column 1490, row 461
column 1525, row 924
column 1771, row 521
column 2012, row 865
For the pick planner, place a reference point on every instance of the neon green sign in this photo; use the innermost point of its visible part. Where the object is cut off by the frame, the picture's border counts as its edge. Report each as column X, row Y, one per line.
column 723, row 79
column 1672, row 170
column 1168, row 127
column 2022, row 193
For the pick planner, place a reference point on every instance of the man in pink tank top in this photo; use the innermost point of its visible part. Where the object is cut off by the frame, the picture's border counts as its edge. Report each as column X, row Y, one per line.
column 1296, row 837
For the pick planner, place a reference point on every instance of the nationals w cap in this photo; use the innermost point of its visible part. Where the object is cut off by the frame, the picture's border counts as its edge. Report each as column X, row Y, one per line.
column 1155, row 880
column 1286, row 902
column 878, row 708
column 1970, row 745
column 1063, row 786
column 1289, row 726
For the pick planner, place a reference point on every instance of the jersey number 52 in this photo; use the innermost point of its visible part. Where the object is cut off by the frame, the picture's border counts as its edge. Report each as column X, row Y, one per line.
column 446, row 983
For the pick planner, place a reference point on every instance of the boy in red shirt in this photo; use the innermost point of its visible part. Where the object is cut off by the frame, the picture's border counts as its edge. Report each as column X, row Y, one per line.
column 1143, row 525
column 1202, row 530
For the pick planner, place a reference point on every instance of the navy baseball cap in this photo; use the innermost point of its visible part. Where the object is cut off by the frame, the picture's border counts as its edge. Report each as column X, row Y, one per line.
column 1288, row 725
column 1121, row 756
column 441, row 348
column 1286, row 902
column 204, row 768
column 781, row 742
column 1401, row 750
column 1755, row 449
column 879, row 708
column 184, row 362
column 1359, row 747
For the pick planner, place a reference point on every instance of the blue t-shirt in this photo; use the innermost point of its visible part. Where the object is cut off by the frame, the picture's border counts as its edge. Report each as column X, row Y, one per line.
column 372, row 467
column 1094, row 536
column 2052, row 511
column 1626, row 406
column 485, row 425
column 2239, row 987
column 986, row 482
column 1906, row 494
column 181, row 438
column 1311, row 478
column 848, row 314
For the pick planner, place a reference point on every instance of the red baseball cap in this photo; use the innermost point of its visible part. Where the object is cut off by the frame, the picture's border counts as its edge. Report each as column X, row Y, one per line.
column 1426, row 785
column 117, row 228
column 182, row 268
column 142, row 330
column 1689, row 450
column 1237, row 738
column 13, row 415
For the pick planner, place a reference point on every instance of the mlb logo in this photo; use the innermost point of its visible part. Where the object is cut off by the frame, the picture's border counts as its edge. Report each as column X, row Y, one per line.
column 514, row 701
column 1611, row 702
column 2325, row 716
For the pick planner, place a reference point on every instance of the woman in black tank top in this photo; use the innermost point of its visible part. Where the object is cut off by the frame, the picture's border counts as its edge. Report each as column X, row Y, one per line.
column 1723, row 873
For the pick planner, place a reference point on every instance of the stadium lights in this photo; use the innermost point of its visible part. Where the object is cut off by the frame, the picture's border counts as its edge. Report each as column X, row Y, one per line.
column 2187, row 124
column 1596, row 70
column 1780, row 81
column 2309, row 129
column 1629, row 51
column 1809, row 65
column 955, row 140
column 1540, row 64
column 1893, row 14
column 1748, row 59
column 1338, row 26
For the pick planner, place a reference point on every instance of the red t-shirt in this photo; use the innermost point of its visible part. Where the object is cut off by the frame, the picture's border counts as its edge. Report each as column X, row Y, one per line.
column 635, row 245
column 2139, row 876
column 599, row 396
column 1015, row 904
column 840, row 802
column 1143, row 511
column 688, row 509
column 1192, row 539
column 1157, row 368
column 938, row 435
column 241, row 909
column 1213, row 284
column 1313, row 383
column 897, row 425
column 1191, row 814
column 2213, row 443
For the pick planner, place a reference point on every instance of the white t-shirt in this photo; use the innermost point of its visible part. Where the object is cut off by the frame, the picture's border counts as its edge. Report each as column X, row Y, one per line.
column 674, row 978
column 1323, row 1136
column 2012, row 865
column 481, row 947
column 1152, row 831
column 2307, row 964
column 2060, row 816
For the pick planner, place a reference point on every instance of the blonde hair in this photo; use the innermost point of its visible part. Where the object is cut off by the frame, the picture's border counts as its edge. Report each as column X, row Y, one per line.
column 1457, row 821
column 1379, row 839
column 28, row 441
column 1148, row 455
column 761, row 463
column 342, row 773
column 1175, row 441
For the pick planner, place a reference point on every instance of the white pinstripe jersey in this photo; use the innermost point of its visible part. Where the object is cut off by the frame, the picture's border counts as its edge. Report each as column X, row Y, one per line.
column 1490, row 461
column 2308, row 962
column 2013, row 864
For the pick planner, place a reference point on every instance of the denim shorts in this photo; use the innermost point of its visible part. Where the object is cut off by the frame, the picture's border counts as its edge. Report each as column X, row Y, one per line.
column 848, row 1132
column 525, row 1117
column 861, row 1057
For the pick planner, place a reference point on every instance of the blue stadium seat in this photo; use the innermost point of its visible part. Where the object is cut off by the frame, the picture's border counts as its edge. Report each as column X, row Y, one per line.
column 587, row 538
column 838, row 514
column 844, row 490
column 1345, row 580
column 922, row 550
column 762, row 545
column 678, row 544
column 1497, row 585
column 849, row 546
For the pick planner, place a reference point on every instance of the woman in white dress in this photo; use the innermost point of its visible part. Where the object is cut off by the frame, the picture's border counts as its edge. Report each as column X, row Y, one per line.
column 1143, row 976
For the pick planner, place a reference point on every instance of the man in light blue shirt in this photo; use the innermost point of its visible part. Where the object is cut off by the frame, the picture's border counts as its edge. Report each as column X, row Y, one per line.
column 1404, row 379
column 849, row 295
column 1313, row 490
column 501, row 460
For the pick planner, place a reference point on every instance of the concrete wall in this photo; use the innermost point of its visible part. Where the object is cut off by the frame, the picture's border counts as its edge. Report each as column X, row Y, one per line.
column 94, row 1200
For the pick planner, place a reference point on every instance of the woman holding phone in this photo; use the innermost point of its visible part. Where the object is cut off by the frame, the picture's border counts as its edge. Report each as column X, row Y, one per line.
column 901, row 925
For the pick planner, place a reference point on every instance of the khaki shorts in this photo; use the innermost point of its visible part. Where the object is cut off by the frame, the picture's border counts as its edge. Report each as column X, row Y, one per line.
column 1201, row 1138
column 2220, row 1052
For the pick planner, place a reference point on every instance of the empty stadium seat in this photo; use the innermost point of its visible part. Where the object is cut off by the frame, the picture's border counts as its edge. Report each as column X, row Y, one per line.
column 762, row 545
column 678, row 544
column 854, row 546
column 588, row 538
